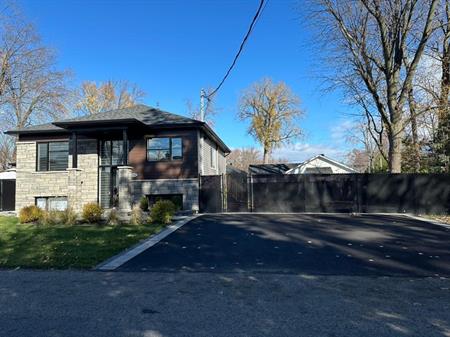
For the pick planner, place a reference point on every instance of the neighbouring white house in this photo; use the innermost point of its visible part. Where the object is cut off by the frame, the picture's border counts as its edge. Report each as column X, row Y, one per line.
column 9, row 174
column 321, row 164
column 318, row 164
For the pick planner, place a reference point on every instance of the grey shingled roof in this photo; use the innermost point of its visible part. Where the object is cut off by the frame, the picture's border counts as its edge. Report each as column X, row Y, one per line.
column 140, row 113
column 37, row 128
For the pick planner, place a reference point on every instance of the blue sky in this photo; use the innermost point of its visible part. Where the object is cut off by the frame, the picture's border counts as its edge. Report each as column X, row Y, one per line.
column 171, row 49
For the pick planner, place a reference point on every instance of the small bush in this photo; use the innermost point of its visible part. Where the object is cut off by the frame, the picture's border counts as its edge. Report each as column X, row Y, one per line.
column 51, row 218
column 30, row 214
column 68, row 217
column 113, row 218
column 143, row 203
column 137, row 216
column 92, row 212
column 163, row 211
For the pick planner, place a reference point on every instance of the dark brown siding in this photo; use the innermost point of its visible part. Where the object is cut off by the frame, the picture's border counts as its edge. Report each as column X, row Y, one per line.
column 186, row 168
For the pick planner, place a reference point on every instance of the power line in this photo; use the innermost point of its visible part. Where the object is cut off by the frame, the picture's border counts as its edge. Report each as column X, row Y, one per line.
column 250, row 29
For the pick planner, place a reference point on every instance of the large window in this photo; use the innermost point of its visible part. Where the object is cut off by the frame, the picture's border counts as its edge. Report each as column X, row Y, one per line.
column 52, row 156
column 164, row 149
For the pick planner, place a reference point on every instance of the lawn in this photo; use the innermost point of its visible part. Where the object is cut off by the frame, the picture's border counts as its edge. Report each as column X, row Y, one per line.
column 79, row 246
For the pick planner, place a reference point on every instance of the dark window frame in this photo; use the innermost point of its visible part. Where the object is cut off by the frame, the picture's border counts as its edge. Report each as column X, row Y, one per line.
column 110, row 155
column 47, row 169
column 147, row 149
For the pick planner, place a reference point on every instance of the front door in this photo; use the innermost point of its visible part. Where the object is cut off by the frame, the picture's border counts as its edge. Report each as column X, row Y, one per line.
column 110, row 157
column 109, row 185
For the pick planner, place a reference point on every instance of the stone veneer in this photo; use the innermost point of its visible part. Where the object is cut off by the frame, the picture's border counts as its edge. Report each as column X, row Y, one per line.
column 78, row 185
column 189, row 188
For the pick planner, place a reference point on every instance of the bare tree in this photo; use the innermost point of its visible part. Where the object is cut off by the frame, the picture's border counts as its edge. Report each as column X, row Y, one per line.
column 369, row 41
column 244, row 157
column 7, row 151
column 31, row 89
column 360, row 133
column 110, row 95
column 272, row 110
column 210, row 112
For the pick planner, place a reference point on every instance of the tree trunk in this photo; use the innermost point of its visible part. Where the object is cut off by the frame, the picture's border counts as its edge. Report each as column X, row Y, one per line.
column 395, row 152
column 414, row 133
column 266, row 156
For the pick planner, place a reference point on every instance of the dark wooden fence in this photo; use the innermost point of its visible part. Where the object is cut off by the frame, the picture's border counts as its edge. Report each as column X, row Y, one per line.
column 362, row 193
column 211, row 194
column 236, row 192
column 7, row 195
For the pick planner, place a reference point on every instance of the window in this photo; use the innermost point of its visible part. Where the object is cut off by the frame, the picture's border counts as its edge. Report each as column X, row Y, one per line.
column 111, row 152
column 52, row 203
column 213, row 157
column 164, row 149
column 52, row 156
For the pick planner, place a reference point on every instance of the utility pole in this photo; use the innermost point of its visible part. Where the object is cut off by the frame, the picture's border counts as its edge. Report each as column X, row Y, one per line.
column 202, row 105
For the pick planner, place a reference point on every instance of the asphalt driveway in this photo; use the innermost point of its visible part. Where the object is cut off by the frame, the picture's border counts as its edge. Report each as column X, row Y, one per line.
column 310, row 244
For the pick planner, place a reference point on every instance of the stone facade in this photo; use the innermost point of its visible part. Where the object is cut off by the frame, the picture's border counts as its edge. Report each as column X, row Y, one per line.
column 78, row 185
column 189, row 188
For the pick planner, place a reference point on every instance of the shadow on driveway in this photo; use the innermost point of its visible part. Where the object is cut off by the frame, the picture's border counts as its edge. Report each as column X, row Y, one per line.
column 366, row 245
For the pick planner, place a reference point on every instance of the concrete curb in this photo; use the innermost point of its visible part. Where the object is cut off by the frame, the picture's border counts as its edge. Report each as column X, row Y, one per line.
column 434, row 222
column 123, row 257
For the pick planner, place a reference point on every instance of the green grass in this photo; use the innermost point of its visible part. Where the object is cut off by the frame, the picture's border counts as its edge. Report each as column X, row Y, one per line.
column 79, row 246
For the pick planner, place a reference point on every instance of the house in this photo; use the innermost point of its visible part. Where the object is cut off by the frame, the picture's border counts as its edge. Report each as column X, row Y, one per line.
column 7, row 189
column 318, row 164
column 114, row 158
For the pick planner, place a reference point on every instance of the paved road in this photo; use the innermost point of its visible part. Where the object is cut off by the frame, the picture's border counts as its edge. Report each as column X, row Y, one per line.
column 273, row 291
column 79, row 304
column 366, row 245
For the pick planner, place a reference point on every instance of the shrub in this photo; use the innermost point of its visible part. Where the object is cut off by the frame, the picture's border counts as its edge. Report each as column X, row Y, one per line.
column 163, row 211
column 51, row 218
column 30, row 214
column 68, row 217
column 92, row 212
column 143, row 203
column 137, row 216
column 113, row 217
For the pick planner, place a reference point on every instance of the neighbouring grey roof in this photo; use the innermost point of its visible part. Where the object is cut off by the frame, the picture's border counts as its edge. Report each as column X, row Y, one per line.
column 231, row 169
column 271, row 168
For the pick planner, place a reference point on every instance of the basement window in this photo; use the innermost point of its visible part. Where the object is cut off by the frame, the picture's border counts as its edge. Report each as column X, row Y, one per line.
column 52, row 203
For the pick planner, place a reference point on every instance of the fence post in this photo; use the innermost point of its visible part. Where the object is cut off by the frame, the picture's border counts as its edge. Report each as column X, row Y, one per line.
column 356, row 186
column 223, row 188
column 250, row 192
